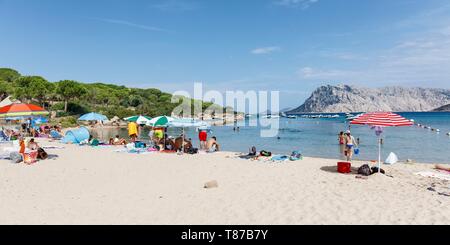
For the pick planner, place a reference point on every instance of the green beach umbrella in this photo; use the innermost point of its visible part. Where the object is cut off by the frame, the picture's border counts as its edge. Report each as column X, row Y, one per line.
column 139, row 119
column 162, row 121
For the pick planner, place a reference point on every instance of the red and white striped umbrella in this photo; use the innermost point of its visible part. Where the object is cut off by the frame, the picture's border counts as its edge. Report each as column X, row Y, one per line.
column 383, row 119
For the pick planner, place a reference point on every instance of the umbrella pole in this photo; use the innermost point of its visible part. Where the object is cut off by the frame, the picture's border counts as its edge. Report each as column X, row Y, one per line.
column 379, row 154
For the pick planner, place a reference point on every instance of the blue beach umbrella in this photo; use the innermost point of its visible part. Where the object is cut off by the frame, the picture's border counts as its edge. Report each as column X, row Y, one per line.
column 40, row 120
column 93, row 117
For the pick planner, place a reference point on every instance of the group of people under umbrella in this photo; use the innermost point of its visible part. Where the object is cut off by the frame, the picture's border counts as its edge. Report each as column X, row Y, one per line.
column 158, row 133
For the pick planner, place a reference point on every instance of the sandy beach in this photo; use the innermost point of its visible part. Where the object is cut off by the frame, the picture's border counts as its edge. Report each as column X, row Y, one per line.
column 85, row 185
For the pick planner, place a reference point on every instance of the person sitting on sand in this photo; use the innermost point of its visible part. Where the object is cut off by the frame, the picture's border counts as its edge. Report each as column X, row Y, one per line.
column 119, row 141
column 212, row 145
column 32, row 145
column 181, row 143
column 350, row 144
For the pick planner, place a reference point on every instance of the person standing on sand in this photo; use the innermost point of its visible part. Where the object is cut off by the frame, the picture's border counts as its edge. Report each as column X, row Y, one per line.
column 203, row 137
column 133, row 131
column 350, row 144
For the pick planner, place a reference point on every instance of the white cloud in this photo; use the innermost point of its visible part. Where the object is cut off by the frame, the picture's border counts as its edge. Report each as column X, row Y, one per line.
column 131, row 24
column 325, row 74
column 423, row 61
column 302, row 4
column 176, row 5
column 265, row 50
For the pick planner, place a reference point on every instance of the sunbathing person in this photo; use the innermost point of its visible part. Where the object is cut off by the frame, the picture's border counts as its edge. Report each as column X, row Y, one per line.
column 212, row 145
column 32, row 145
column 119, row 141
column 182, row 144
column 169, row 143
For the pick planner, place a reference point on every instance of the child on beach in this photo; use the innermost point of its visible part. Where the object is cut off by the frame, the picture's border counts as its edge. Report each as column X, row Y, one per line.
column 341, row 138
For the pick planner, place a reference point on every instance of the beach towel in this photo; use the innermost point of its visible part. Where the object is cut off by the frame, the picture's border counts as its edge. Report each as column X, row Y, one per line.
column 49, row 147
column 280, row 158
column 295, row 156
column 55, row 135
column 3, row 136
column 434, row 175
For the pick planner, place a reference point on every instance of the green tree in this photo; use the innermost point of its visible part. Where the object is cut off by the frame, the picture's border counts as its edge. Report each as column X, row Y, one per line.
column 31, row 87
column 8, row 75
column 69, row 90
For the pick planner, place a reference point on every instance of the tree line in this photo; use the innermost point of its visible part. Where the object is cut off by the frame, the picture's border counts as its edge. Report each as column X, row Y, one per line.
column 70, row 97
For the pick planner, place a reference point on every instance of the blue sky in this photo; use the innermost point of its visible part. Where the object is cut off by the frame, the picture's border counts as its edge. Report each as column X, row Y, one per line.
column 288, row 45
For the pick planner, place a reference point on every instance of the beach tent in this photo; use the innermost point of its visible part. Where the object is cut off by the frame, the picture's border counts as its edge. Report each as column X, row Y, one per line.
column 6, row 101
column 93, row 117
column 378, row 120
column 161, row 121
column 76, row 136
column 139, row 119
column 19, row 110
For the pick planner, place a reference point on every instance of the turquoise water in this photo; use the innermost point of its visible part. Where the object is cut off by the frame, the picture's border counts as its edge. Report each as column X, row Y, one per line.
column 318, row 138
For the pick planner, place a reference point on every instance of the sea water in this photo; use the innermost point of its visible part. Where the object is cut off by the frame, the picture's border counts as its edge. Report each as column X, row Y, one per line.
column 319, row 138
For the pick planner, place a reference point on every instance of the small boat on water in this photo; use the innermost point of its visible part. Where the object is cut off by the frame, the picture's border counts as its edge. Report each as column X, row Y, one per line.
column 292, row 117
column 351, row 117
column 270, row 117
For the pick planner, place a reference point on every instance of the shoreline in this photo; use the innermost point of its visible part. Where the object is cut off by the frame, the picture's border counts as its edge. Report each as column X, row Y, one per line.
column 86, row 185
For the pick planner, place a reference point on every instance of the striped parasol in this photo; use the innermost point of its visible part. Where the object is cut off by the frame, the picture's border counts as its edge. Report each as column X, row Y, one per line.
column 17, row 110
column 381, row 119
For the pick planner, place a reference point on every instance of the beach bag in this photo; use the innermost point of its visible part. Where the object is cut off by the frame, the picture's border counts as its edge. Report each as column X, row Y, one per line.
column 392, row 159
column 15, row 157
column 265, row 154
column 95, row 142
column 295, row 156
column 365, row 170
column 140, row 145
column 193, row 151
column 30, row 158
column 356, row 151
column 42, row 154
column 375, row 170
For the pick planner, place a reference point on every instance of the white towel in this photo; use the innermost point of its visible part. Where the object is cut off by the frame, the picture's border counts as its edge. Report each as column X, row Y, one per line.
column 434, row 175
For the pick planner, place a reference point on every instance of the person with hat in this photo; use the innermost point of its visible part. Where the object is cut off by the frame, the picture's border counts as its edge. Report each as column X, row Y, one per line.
column 350, row 145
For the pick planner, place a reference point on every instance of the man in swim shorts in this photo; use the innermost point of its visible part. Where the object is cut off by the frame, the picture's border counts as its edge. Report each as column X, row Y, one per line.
column 203, row 137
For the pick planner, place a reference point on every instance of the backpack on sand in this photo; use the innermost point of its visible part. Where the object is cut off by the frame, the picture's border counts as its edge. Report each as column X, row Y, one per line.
column 365, row 170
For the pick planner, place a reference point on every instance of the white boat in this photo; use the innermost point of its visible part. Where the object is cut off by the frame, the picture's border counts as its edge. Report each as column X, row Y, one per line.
column 353, row 117
column 292, row 117
column 270, row 117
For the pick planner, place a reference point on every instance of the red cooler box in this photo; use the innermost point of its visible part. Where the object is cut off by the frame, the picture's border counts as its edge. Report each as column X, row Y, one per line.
column 344, row 167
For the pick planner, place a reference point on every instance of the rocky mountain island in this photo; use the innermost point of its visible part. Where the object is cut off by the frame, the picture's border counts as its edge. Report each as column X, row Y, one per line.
column 345, row 98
